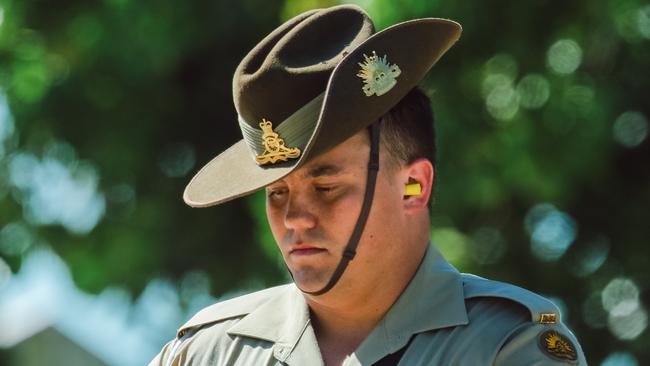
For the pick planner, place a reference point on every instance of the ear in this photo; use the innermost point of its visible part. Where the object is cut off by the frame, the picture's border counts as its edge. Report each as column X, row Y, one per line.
column 420, row 171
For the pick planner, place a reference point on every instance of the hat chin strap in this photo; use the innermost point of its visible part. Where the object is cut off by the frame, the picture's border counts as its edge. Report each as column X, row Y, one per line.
column 351, row 249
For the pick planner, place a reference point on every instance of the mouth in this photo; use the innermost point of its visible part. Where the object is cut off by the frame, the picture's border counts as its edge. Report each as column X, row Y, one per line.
column 305, row 250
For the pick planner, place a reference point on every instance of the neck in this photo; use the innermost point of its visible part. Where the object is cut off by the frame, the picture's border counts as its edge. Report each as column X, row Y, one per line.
column 349, row 323
column 344, row 317
column 341, row 329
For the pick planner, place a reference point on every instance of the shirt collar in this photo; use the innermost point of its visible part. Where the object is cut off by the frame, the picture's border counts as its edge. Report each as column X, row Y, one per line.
column 432, row 300
column 282, row 319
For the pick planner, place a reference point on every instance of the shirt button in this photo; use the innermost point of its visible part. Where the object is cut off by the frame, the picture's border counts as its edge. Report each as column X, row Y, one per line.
column 280, row 353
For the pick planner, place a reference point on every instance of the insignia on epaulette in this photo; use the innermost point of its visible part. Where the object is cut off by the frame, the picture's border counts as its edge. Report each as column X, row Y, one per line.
column 548, row 318
column 378, row 75
column 557, row 346
column 274, row 149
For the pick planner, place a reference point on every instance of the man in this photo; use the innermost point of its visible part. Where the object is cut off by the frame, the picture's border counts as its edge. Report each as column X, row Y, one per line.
column 340, row 137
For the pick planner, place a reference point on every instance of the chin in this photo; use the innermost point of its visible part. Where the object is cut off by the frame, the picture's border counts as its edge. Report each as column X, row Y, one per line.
column 310, row 279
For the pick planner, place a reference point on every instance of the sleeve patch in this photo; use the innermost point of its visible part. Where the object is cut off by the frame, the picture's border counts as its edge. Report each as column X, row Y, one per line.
column 557, row 346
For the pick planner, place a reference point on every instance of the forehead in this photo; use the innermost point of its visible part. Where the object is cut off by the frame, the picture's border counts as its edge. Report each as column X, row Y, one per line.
column 346, row 157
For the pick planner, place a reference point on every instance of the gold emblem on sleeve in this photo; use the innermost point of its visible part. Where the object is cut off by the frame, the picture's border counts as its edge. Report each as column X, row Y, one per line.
column 557, row 346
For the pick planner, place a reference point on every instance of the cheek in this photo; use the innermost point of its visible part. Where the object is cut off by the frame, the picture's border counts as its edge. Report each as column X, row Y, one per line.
column 342, row 211
column 385, row 219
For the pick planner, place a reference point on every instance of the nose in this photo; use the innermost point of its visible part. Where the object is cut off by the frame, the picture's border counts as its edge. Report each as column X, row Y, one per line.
column 298, row 215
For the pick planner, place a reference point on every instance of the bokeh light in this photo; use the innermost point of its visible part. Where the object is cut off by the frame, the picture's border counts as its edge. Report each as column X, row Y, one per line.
column 564, row 56
column 551, row 231
column 533, row 90
column 2, row 15
column 580, row 97
column 487, row 245
column 502, row 102
column 6, row 123
column 52, row 192
column 502, row 64
column 629, row 21
column 62, row 152
column 643, row 21
column 5, row 272
column 177, row 159
column 21, row 167
column 121, row 200
column 501, row 98
column 121, row 193
column 30, row 78
column 450, row 242
column 627, row 318
column 31, row 46
column 630, row 129
column 591, row 257
column 593, row 313
column 195, row 290
column 15, row 239
column 629, row 326
column 194, row 283
column 620, row 359
column 85, row 30
column 59, row 68
column 620, row 296
column 159, row 304
column 42, row 295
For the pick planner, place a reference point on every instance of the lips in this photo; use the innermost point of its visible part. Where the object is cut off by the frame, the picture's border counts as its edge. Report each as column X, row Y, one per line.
column 305, row 252
column 305, row 249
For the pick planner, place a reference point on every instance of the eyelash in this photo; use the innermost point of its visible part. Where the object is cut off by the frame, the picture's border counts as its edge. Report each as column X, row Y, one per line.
column 275, row 193
column 279, row 192
column 325, row 189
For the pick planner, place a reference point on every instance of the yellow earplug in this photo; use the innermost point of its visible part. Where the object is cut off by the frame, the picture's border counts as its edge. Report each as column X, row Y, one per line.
column 413, row 189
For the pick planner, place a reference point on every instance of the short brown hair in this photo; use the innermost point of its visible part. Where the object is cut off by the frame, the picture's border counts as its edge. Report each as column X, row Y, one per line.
column 408, row 131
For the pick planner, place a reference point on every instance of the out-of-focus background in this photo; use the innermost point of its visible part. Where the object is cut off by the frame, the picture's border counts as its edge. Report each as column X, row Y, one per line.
column 107, row 107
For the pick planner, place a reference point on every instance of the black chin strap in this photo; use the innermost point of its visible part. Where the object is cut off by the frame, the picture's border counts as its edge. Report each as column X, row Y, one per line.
column 351, row 249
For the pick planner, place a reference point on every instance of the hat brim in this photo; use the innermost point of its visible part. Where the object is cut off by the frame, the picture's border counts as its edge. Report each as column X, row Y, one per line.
column 413, row 45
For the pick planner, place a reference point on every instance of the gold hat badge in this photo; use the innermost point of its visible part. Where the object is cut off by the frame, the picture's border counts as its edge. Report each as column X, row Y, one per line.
column 378, row 75
column 274, row 149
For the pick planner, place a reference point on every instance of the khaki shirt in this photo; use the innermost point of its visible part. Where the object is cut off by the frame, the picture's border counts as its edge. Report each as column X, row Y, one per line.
column 454, row 319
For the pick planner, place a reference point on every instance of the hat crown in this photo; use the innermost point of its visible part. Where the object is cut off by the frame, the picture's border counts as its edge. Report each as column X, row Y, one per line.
column 292, row 65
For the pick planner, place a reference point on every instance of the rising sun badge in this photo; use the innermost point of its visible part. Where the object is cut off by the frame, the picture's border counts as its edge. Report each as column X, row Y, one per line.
column 557, row 346
column 378, row 75
column 274, row 149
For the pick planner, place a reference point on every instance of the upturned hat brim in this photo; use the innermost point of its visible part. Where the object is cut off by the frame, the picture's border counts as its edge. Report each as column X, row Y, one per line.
column 413, row 45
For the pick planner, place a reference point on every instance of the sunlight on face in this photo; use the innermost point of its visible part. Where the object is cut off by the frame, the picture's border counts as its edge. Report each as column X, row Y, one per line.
column 312, row 213
column 313, row 210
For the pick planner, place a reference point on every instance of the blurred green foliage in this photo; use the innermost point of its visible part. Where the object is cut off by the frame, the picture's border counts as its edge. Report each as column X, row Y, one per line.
column 541, row 114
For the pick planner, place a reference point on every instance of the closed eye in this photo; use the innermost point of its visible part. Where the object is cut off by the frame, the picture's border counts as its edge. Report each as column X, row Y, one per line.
column 276, row 193
column 325, row 189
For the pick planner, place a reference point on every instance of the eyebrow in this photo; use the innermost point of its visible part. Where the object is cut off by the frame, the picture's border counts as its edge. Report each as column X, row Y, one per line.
column 326, row 169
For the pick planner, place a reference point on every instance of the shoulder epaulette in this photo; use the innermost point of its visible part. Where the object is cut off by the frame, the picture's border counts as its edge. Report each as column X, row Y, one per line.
column 232, row 308
column 541, row 309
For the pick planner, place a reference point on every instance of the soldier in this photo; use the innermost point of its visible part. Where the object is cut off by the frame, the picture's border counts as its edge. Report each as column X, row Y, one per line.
column 337, row 132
